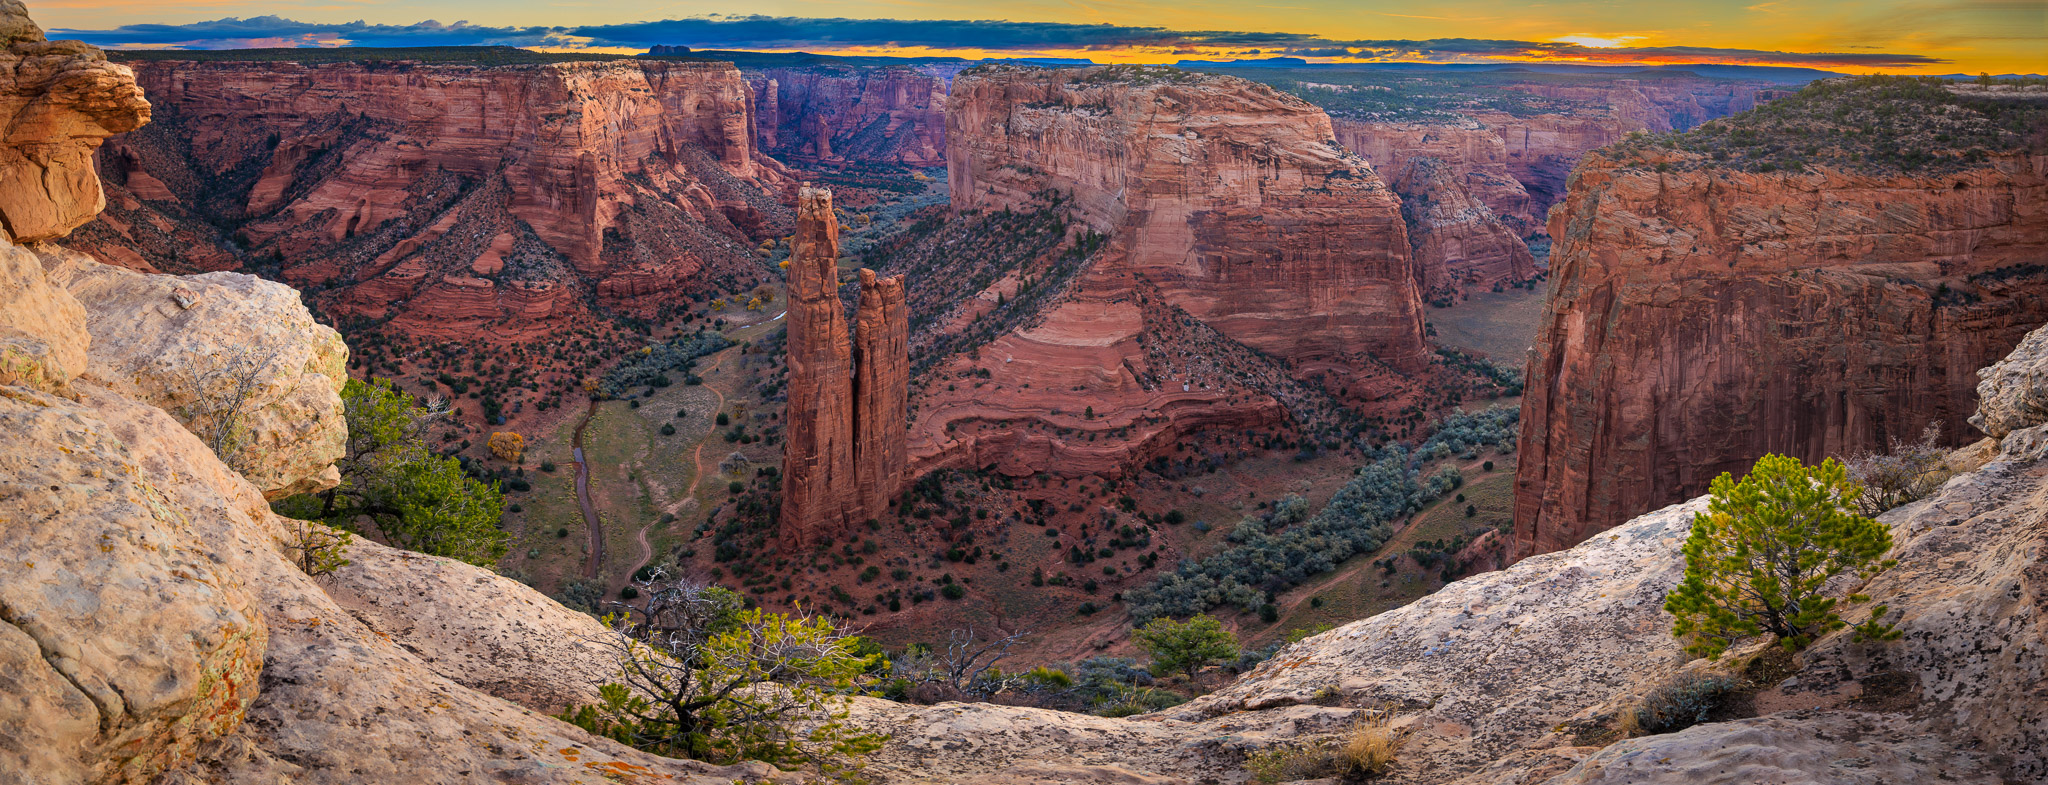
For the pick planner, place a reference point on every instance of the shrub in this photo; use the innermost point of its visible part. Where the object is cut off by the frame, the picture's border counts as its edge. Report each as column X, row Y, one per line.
column 1905, row 473
column 689, row 670
column 1368, row 749
column 1186, row 646
column 1757, row 560
column 723, row 419
column 668, row 429
column 1679, row 703
column 507, row 446
column 418, row 500
column 952, row 591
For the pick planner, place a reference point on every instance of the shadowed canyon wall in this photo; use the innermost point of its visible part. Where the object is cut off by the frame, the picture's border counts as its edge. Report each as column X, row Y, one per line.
column 838, row 115
column 448, row 198
column 1702, row 315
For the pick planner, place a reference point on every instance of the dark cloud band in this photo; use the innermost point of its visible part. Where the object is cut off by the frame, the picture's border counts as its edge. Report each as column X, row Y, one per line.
column 783, row 32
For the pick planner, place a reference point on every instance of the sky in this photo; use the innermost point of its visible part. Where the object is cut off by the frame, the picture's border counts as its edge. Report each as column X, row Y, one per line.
column 1850, row 36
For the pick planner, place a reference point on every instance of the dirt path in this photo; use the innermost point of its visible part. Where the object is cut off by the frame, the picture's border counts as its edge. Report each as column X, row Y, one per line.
column 697, row 456
column 590, row 521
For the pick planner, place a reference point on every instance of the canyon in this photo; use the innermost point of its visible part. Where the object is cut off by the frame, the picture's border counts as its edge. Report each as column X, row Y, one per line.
column 448, row 201
column 161, row 625
column 845, row 458
column 1232, row 228
column 1703, row 313
column 825, row 115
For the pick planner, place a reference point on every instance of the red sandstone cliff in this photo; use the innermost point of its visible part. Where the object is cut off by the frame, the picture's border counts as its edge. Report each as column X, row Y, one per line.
column 450, row 198
column 1476, row 154
column 1702, row 316
column 844, row 458
column 881, row 391
column 1458, row 242
column 1253, row 270
column 832, row 115
column 1226, row 195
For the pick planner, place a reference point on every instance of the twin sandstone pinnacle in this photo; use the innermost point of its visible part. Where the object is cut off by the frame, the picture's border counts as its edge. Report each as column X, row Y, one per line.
column 846, row 454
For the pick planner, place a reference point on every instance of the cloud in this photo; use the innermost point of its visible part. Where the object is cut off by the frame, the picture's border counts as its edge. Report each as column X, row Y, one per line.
column 820, row 34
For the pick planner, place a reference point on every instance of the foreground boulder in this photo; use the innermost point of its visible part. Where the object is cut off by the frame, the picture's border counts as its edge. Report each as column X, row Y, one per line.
column 224, row 353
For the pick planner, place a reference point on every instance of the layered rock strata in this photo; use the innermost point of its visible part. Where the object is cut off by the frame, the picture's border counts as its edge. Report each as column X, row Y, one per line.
column 839, row 115
column 844, row 459
column 60, row 100
column 449, row 199
column 1701, row 316
column 1227, row 196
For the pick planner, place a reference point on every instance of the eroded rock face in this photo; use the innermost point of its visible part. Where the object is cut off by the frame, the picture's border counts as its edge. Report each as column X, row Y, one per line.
column 1230, row 198
column 843, row 114
column 42, row 327
column 452, row 200
column 1701, row 317
column 221, row 352
column 1458, row 242
column 1800, row 748
column 845, row 456
column 1476, row 156
column 60, row 99
column 126, row 646
column 881, row 391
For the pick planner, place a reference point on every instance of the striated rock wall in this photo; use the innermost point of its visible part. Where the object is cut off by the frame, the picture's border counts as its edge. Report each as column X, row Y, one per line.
column 1458, row 242
column 1476, row 156
column 1227, row 196
column 449, row 198
column 817, row 460
column 844, row 459
column 837, row 115
column 881, row 392
column 1703, row 316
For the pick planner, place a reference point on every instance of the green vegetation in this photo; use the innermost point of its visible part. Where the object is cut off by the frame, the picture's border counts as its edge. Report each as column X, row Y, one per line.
column 651, row 365
column 1758, row 559
column 1871, row 124
column 1685, row 700
column 1285, row 546
column 1187, row 646
column 418, row 500
column 702, row 677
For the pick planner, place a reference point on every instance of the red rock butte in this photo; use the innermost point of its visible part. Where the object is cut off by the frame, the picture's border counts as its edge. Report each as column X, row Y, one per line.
column 845, row 457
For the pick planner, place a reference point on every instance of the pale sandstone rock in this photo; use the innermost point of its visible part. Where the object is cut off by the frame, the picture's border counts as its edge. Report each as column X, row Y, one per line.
column 341, row 701
column 479, row 629
column 42, row 327
column 127, row 644
column 176, row 342
column 2013, row 393
column 1800, row 748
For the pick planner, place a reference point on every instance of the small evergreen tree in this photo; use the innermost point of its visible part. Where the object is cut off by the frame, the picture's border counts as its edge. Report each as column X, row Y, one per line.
column 1757, row 560
column 1186, row 646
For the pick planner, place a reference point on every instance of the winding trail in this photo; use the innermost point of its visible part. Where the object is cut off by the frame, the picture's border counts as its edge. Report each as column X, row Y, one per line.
column 696, row 458
column 583, row 497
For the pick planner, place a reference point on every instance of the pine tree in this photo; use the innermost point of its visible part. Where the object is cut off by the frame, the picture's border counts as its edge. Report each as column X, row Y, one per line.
column 1758, row 559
